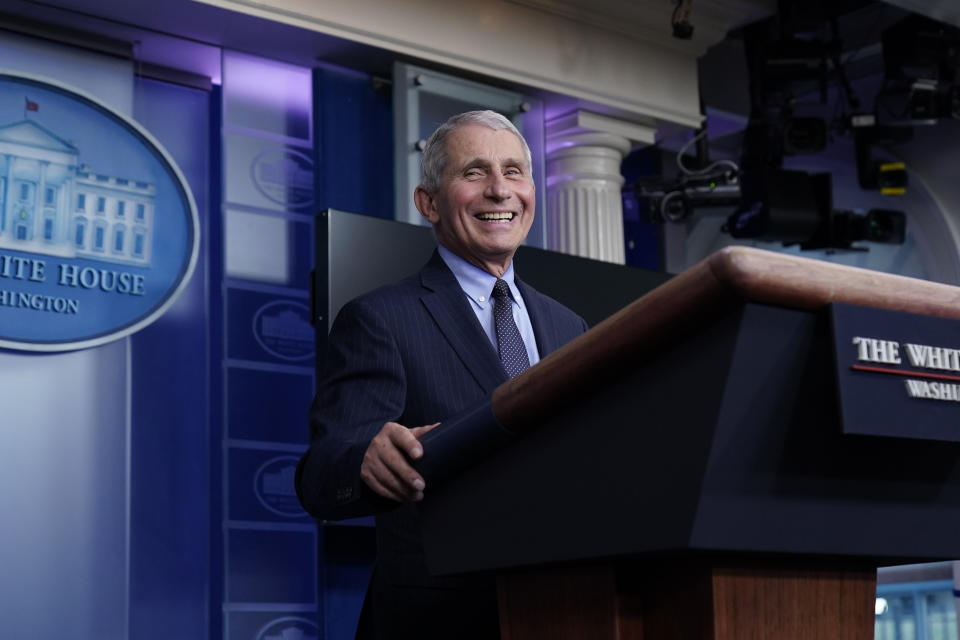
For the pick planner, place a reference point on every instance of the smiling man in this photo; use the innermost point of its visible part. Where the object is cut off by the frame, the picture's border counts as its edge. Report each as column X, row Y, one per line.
column 481, row 203
column 403, row 358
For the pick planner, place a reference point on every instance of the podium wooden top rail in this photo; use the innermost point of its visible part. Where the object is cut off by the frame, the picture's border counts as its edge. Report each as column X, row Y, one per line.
column 729, row 276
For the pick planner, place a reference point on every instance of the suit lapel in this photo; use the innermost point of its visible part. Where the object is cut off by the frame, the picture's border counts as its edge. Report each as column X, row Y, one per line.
column 543, row 328
column 447, row 304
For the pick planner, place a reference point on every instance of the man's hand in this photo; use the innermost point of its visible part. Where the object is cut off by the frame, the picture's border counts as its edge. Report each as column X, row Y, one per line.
column 385, row 468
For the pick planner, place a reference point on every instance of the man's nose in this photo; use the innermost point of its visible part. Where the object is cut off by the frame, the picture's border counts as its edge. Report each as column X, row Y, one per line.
column 498, row 188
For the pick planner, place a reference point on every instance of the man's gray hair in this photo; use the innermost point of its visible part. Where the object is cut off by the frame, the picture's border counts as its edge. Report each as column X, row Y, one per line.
column 434, row 160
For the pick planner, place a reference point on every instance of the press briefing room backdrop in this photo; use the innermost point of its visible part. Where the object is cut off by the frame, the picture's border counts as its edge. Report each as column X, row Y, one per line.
column 161, row 174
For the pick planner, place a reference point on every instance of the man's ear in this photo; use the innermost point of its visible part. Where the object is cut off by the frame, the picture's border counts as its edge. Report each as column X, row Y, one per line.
column 426, row 204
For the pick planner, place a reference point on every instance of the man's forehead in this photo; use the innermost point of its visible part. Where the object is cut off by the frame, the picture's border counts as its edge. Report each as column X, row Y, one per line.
column 475, row 143
column 482, row 135
column 487, row 160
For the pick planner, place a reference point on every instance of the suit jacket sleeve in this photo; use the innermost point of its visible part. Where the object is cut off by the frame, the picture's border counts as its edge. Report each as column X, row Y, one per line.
column 387, row 361
column 363, row 386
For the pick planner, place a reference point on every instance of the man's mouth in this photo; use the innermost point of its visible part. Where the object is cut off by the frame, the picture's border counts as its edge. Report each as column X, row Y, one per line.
column 495, row 216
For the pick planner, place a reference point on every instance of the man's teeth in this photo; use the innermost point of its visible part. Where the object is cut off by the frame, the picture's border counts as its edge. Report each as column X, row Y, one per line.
column 495, row 216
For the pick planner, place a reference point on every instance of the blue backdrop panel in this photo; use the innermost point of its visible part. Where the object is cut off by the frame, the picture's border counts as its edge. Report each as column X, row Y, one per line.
column 267, row 566
column 267, row 174
column 268, row 548
column 354, row 143
column 268, row 406
column 266, row 96
column 268, row 327
column 170, row 494
column 274, row 249
column 261, row 486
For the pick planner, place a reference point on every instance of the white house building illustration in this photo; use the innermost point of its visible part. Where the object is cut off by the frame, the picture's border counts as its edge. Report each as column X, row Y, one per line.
column 287, row 325
column 49, row 204
column 291, row 633
column 280, row 483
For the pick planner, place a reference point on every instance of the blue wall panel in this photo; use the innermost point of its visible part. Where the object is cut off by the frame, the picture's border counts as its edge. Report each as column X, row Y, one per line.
column 252, row 334
column 267, row 97
column 170, row 409
column 354, row 172
column 280, row 175
column 268, row 405
column 269, row 543
column 266, row 566
column 354, row 145
column 262, row 487
column 274, row 249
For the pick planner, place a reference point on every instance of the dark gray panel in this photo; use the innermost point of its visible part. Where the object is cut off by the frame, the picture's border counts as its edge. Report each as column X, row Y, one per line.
column 358, row 253
column 592, row 288
column 364, row 253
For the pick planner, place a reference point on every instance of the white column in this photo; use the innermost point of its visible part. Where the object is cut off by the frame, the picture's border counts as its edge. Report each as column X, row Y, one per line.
column 584, row 207
column 5, row 221
column 40, row 203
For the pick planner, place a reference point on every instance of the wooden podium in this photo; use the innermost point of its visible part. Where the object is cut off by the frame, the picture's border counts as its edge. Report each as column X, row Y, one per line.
column 681, row 472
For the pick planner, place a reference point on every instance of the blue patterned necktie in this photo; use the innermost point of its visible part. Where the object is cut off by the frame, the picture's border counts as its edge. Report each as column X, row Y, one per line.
column 513, row 353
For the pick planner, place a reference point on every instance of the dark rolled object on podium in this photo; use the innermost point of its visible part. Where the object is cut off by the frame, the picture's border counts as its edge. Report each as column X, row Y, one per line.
column 461, row 441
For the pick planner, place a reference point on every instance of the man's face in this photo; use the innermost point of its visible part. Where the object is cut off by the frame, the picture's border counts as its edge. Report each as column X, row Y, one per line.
column 485, row 204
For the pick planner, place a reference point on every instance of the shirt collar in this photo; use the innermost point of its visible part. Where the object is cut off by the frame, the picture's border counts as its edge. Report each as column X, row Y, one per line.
column 475, row 282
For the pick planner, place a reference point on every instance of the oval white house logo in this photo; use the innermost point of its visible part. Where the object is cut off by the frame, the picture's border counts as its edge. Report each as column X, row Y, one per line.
column 289, row 628
column 99, row 232
column 284, row 176
column 273, row 486
column 282, row 328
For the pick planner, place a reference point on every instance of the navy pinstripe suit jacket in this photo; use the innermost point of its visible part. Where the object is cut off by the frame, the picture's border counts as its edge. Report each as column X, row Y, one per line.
column 413, row 353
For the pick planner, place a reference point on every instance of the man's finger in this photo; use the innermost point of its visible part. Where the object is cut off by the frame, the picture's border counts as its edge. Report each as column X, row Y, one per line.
column 419, row 431
column 380, row 489
column 395, row 459
column 406, row 441
column 386, row 468
column 382, row 480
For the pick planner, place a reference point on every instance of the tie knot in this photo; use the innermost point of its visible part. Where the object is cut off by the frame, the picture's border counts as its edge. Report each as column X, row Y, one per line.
column 501, row 289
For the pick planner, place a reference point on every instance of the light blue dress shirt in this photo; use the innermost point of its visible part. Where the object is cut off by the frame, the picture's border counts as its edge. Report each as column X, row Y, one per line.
column 477, row 284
